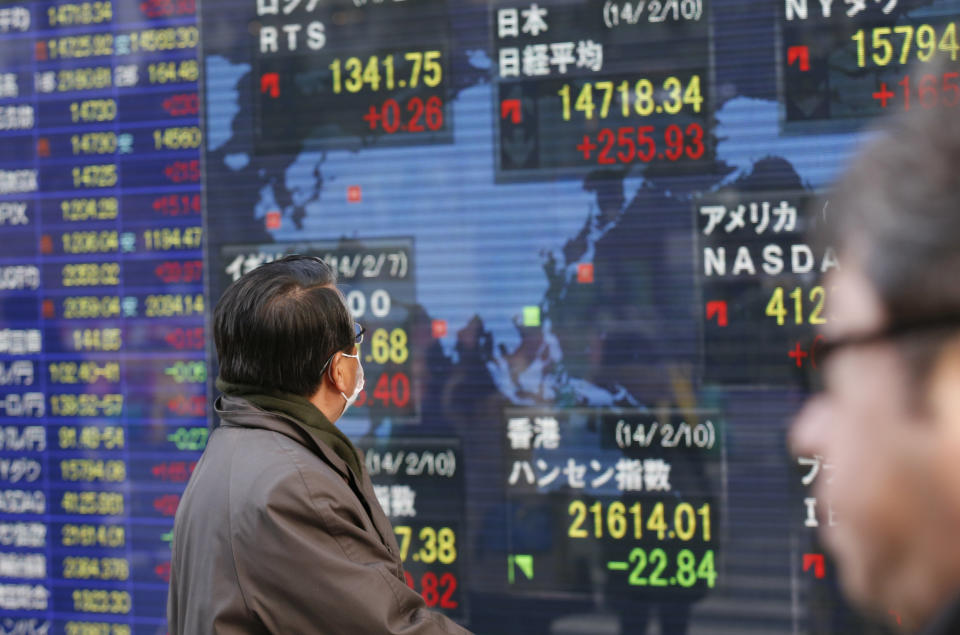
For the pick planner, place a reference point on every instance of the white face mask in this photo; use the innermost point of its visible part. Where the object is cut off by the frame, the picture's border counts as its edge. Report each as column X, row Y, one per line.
column 359, row 387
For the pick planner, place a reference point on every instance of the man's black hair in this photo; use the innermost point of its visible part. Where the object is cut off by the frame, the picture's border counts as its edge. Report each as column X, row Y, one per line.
column 277, row 325
column 897, row 213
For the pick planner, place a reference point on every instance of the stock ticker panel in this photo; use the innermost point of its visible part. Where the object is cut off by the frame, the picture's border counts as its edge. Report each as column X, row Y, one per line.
column 577, row 234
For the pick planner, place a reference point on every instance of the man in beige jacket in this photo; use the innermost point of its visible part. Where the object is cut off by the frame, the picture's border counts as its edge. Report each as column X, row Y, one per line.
column 279, row 530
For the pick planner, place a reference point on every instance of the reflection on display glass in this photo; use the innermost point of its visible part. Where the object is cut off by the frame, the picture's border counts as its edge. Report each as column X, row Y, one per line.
column 577, row 234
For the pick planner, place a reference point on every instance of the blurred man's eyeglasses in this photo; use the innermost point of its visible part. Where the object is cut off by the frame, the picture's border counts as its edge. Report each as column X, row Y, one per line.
column 822, row 349
column 359, row 330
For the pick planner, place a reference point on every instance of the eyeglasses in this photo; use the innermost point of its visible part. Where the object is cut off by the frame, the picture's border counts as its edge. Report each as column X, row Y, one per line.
column 357, row 340
column 829, row 347
column 822, row 348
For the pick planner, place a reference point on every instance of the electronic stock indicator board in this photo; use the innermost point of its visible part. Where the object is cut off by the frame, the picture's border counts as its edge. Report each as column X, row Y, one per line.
column 354, row 81
column 576, row 232
column 102, row 362
column 586, row 85
column 841, row 65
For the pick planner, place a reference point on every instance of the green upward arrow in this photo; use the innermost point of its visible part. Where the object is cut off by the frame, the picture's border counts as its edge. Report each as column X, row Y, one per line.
column 522, row 561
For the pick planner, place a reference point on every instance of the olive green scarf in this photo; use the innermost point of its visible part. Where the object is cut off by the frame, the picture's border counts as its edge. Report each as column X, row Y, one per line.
column 314, row 422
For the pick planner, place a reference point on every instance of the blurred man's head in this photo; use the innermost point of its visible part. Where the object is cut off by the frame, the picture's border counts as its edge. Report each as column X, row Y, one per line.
column 889, row 418
column 284, row 326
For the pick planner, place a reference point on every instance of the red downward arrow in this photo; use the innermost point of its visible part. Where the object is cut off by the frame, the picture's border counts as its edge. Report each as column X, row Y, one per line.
column 816, row 561
column 511, row 108
column 717, row 308
column 270, row 82
column 801, row 54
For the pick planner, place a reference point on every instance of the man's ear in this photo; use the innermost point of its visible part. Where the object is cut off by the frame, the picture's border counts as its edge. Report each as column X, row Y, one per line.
column 943, row 393
column 337, row 374
column 943, row 412
column 331, row 373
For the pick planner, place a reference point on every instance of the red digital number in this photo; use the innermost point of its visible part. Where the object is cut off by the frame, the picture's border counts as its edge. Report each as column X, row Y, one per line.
column 167, row 8
column 415, row 115
column 390, row 390
column 182, row 104
column 642, row 144
column 175, row 471
column 415, row 108
column 185, row 339
column 173, row 271
column 931, row 91
column 435, row 591
column 178, row 205
column 195, row 406
column 167, row 504
column 183, row 171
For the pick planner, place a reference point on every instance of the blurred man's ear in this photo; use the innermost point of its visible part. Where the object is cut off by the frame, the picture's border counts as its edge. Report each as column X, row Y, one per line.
column 943, row 393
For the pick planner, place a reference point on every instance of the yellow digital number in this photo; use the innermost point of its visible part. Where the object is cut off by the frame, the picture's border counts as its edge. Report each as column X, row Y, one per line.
column 90, row 242
column 92, row 503
column 417, row 59
column 354, row 67
column 882, row 47
column 692, row 95
column 907, row 32
column 94, row 143
column 674, row 103
column 432, row 70
column 80, row 209
column 777, row 306
column 405, row 533
column 94, row 176
column 111, row 536
column 657, row 522
column 926, row 42
column 97, row 339
column 169, row 238
column 93, row 110
column 389, row 346
column 371, row 73
column 102, row 601
column 80, row 46
column 84, row 78
column 577, row 509
column 91, row 274
column 924, row 36
column 81, row 307
column 80, row 13
column 564, row 93
column 645, row 104
column 617, row 520
column 96, row 628
column 179, row 138
column 584, row 101
column 447, row 551
column 428, row 552
column 354, row 75
column 173, row 72
column 168, row 39
column 607, row 88
column 91, row 438
column 93, row 470
column 86, row 405
column 84, row 568
column 438, row 545
column 174, row 305
column 948, row 41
